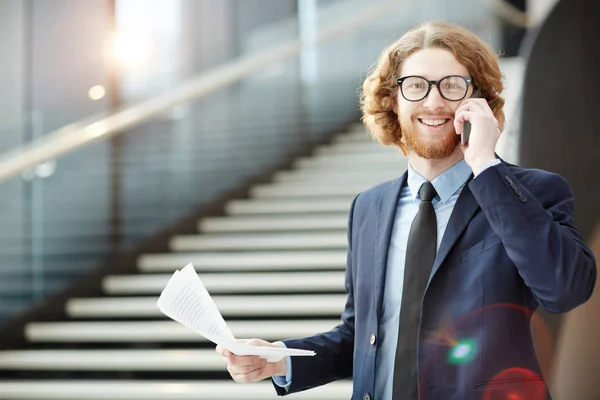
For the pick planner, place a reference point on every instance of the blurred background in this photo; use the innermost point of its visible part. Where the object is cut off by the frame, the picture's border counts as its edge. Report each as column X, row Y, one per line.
column 139, row 135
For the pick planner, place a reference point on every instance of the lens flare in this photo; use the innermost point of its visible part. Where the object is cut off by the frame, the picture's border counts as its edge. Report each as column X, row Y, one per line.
column 515, row 384
column 463, row 352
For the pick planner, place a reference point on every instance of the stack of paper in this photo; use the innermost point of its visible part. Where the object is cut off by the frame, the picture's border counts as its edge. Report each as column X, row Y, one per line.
column 186, row 300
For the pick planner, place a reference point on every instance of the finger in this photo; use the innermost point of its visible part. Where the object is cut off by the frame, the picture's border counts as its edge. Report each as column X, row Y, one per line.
column 485, row 106
column 244, row 373
column 253, row 376
column 464, row 106
column 477, row 105
column 244, row 360
column 460, row 118
column 470, row 105
column 257, row 342
column 221, row 351
column 244, row 369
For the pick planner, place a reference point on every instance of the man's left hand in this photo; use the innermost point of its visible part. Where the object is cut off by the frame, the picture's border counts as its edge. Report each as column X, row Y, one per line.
column 480, row 149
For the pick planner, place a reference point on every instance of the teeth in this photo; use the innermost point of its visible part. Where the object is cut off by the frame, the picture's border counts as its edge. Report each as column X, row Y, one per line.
column 433, row 122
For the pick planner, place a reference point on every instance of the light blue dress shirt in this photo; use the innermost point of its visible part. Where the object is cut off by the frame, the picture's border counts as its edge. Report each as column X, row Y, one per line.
column 448, row 186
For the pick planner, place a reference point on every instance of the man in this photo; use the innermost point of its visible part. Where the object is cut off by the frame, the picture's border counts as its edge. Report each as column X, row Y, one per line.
column 446, row 263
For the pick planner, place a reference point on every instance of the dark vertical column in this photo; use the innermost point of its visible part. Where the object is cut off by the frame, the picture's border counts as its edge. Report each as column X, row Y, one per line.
column 559, row 133
column 559, row 129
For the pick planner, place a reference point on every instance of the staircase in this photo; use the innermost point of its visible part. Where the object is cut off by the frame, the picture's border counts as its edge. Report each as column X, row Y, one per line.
column 274, row 265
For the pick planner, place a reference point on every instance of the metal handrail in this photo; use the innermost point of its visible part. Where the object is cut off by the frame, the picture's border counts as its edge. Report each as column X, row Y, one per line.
column 511, row 14
column 74, row 136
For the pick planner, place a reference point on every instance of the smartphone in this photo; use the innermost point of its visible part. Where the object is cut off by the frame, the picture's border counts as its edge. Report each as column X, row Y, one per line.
column 467, row 125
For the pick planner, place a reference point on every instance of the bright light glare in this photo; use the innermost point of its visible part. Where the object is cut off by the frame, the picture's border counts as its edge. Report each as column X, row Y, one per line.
column 463, row 352
column 131, row 51
column 97, row 92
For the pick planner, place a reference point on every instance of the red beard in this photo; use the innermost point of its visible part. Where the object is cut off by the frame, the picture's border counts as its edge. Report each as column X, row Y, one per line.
column 442, row 148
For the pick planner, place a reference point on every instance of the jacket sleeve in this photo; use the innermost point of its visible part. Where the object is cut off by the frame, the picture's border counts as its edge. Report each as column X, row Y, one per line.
column 334, row 349
column 538, row 232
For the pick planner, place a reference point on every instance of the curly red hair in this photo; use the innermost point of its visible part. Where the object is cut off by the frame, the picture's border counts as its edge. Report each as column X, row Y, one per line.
column 379, row 90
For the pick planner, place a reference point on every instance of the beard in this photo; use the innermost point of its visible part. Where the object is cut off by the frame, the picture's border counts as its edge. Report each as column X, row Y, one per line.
column 428, row 149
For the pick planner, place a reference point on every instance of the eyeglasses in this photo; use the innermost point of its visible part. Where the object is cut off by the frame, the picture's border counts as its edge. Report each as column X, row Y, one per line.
column 452, row 87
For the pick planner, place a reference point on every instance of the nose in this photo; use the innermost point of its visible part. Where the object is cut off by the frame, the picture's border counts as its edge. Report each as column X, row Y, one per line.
column 434, row 100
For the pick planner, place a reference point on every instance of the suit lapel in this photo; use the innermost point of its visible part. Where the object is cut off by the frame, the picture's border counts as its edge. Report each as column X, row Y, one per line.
column 463, row 212
column 386, row 213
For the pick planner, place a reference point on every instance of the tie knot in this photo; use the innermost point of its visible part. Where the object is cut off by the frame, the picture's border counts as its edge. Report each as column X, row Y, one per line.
column 427, row 192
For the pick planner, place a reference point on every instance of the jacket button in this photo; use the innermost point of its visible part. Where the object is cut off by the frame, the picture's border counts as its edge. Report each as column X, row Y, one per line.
column 367, row 396
column 372, row 339
column 508, row 180
column 523, row 198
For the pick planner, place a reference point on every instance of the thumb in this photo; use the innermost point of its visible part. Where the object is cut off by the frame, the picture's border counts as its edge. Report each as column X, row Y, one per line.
column 258, row 342
column 278, row 367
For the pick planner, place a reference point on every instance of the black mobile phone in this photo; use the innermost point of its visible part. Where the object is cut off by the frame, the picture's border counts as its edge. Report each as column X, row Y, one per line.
column 467, row 125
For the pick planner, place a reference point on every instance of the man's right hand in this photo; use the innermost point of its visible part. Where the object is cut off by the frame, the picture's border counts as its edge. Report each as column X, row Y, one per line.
column 244, row 369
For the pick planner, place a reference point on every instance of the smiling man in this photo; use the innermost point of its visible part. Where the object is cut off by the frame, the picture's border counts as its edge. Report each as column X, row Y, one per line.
column 447, row 263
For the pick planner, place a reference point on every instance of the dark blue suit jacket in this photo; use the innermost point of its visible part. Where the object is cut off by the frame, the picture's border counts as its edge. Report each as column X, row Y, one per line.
column 509, row 247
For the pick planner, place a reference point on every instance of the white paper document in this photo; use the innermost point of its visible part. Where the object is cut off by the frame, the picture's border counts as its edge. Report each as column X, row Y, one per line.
column 186, row 300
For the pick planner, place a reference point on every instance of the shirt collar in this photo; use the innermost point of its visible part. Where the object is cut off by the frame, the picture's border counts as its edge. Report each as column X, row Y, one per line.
column 445, row 184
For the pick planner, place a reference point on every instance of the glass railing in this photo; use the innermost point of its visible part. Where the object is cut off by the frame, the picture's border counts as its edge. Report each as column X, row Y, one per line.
column 66, row 216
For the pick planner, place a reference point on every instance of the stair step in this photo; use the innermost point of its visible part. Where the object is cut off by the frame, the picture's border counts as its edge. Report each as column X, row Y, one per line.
column 397, row 168
column 239, row 306
column 354, row 148
column 166, row 331
column 159, row 390
column 268, row 260
column 371, row 163
column 252, row 223
column 285, row 206
column 314, row 281
column 307, row 190
column 355, row 137
column 383, row 157
column 111, row 360
column 357, row 127
column 260, row 241
column 339, row 176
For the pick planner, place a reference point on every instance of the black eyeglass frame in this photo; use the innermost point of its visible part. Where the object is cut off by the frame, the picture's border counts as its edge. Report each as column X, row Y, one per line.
column 467, row 79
